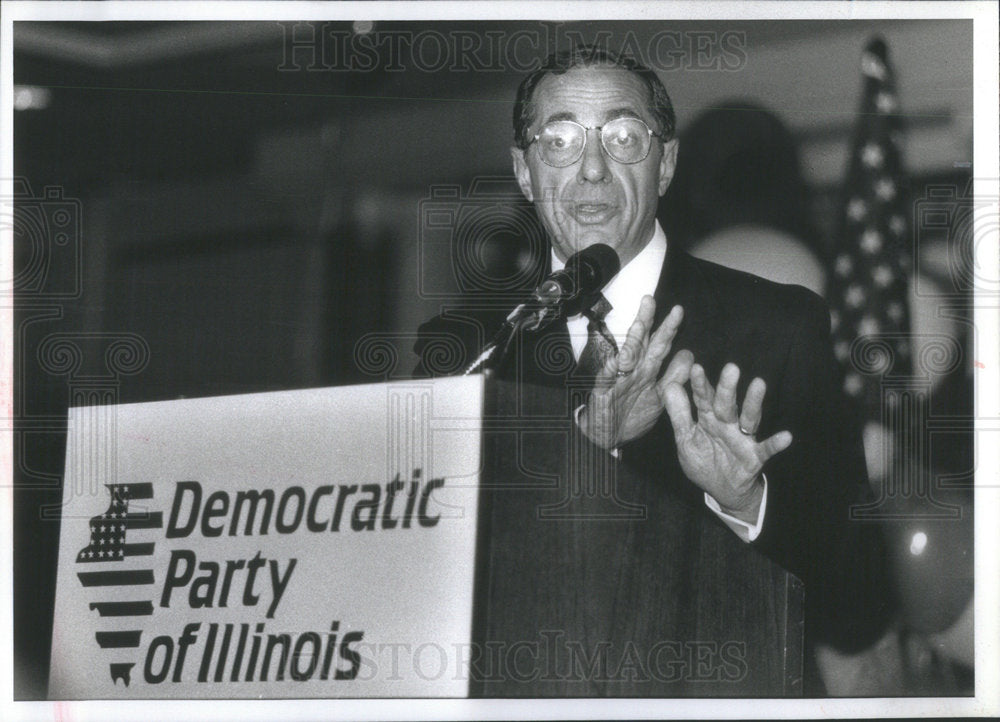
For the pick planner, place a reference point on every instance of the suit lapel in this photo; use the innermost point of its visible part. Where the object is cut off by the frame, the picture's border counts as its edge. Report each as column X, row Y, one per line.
column 703, row 330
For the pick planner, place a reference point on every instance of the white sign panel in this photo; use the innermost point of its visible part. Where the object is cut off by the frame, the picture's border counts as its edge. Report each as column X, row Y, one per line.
column 313, row 543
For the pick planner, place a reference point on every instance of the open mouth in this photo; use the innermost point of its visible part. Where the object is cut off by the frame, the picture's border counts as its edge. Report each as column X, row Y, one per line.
column 593, row 212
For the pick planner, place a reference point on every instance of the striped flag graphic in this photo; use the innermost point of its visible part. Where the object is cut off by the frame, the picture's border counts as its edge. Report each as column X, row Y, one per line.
column 109, row 545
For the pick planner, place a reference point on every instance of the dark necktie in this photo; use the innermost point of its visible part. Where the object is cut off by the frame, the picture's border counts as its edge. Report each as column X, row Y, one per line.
column 601, row 344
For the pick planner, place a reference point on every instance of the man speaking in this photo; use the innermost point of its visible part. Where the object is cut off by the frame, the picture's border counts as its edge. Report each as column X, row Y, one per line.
column 718, row 384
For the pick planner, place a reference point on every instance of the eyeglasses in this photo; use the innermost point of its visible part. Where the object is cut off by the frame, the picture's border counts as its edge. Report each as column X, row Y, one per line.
column 562, row 142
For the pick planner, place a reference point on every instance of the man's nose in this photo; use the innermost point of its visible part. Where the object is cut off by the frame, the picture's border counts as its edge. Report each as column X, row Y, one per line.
column 594, row 164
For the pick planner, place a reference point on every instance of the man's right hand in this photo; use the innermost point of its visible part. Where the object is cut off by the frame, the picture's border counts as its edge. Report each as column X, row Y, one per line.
column 624, row 403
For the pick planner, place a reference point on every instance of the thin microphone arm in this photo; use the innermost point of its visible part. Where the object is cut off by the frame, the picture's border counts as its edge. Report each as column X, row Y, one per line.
column 495, row 351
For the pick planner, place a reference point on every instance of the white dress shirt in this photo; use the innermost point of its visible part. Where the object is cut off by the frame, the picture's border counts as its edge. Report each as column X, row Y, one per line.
column 625, row 291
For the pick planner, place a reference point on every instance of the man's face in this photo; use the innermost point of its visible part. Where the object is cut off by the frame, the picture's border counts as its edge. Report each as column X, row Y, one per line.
column 596, row 199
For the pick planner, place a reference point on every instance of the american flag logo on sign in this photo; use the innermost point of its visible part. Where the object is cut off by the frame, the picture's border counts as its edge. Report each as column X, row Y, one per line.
column 108, row 550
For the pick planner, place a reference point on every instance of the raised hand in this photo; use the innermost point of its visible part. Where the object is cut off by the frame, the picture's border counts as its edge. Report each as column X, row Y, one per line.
column 719, row 451
column 624, row 403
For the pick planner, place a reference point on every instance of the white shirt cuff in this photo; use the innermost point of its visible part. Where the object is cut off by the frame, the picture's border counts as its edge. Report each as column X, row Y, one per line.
column 745, row 531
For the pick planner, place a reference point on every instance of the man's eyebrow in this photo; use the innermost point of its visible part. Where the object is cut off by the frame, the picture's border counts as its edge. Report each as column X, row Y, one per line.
column 564, row 115
column 624, row 112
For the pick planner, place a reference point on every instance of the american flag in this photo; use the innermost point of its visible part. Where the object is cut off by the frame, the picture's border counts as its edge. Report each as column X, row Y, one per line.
column 868, row 286
column 108, row 545
column 107, row 532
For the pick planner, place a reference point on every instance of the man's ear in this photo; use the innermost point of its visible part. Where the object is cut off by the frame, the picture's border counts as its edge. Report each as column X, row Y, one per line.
column 668, row 163
column 521, row 172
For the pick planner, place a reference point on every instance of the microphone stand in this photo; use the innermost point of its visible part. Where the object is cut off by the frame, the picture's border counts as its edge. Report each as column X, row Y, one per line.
column 530, row 316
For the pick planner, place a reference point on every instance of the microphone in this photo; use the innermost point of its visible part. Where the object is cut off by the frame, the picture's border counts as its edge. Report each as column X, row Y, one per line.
column 585, row 273
column 562, row 292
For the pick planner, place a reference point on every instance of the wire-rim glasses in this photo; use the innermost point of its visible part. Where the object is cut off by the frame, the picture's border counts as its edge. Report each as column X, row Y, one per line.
column 561, row 143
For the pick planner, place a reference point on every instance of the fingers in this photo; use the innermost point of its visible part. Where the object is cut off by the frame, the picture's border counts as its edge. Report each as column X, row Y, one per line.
column 774, row 445
column 678, row 409
column 663, row 337
column 724, row 404
column 753, row 404
column 720, row 401
column 635, row 340
column 678, row 371
column 704, row 394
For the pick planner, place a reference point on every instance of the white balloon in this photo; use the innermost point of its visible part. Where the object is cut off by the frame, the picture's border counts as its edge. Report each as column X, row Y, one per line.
column 765, row 252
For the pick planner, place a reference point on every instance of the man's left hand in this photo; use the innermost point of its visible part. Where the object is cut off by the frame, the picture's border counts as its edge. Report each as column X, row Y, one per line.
column 719, row 451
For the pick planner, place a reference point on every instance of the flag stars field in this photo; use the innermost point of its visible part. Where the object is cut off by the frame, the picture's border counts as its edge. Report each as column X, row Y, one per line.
column 885, row 102
column 872, row 155
column 844, row 265
column 857, row 209
column 871, row 241
column 883, row 276
column 855, row 296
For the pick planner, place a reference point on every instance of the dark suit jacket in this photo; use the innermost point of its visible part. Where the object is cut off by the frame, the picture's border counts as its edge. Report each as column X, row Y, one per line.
column 781, row 334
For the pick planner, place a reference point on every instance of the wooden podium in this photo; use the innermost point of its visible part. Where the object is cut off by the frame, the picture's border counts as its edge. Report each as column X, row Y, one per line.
column 434, row 538
column 592, row 581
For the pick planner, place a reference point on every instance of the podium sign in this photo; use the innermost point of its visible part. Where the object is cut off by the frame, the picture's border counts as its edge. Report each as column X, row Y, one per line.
column 316, row 543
